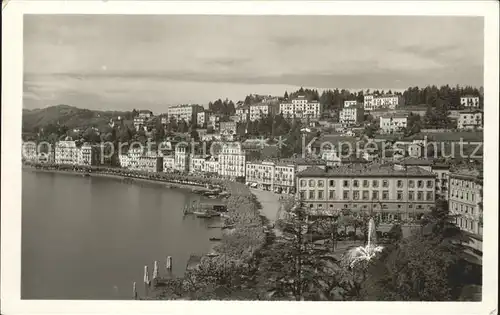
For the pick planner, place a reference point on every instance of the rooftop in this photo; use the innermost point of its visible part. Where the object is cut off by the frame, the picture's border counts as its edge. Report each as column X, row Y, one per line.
column 361, row 170
column 415, row 162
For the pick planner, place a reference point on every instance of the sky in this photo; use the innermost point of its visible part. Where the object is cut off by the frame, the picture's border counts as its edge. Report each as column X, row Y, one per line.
column 121, row 62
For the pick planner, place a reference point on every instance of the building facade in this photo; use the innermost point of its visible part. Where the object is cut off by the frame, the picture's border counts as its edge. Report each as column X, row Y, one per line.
column 201, row 119
column 243, row 113
column 66, row 152
column 373, row 102
column 187, row 113
column 300, row 107
column 29, row 151
column 351, row 115
column 259, row 111
column 273, row 176
column 168, row 163
column 393, row 123
column 88, row 155
column 470, row 120
column 465, row 203
column 469, row 101
column 181, row 158
column 381, row 190
column 232, row 160
column 227, row 127
column 196, row 164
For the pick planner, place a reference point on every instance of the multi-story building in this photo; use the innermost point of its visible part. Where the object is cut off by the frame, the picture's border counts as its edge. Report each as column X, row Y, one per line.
column 196, row 164
column 300, row 107
column 29, row 151
column 470, row 120
column 228, row 127
column 214, row 121
column 379, row 189
column 232, row 160
column 273, row 176
column 469, row 101
column 211, row 166
column 465, row 203
column 152, row 164
column 393, row 123
column 441, row 171
column 142, row 118
column 351, row 115
column 372, row 102
column 243, row 112
column 124, row 160
column 88, row 155
column 66, row 152
column 187, row 113
column 168, row 163
column 260, row 174
column 181, row 157
column 201, row 118
column 259, row 111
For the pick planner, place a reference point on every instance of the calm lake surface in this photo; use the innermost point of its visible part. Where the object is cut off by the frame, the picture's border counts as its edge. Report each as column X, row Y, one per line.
column 90, row 237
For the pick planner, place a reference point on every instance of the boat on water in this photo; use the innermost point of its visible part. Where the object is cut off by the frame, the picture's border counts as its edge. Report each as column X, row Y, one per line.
column 214, row 239
column 212, row 255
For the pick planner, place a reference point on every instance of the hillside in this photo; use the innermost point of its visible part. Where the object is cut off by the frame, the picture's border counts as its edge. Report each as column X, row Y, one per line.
column 70, row 116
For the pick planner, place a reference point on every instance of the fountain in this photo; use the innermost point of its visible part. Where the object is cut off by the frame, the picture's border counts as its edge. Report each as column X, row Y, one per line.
column 364, row 253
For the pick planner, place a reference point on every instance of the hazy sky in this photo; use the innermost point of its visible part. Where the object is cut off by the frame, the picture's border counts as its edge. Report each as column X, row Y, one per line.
column 125, row 62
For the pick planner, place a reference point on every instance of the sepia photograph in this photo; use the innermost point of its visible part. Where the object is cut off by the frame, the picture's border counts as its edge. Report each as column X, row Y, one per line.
column 262, row 157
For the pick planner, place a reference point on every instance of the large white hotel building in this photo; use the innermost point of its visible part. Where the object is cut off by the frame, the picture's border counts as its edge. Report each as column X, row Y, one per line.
column 300, row 107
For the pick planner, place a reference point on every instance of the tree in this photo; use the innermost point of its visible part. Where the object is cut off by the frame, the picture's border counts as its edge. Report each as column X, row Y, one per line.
column 194, row 135
column 427, row 266
column 286, row 95
column 296, row 269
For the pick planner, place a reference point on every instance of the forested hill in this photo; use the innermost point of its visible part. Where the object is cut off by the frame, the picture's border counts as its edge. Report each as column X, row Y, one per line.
column 69, row 116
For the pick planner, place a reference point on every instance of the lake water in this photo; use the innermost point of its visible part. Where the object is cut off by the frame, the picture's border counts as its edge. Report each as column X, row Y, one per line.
column 90, row 237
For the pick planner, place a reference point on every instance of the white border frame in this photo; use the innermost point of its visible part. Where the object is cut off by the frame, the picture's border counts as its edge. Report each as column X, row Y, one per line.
column 12, row 91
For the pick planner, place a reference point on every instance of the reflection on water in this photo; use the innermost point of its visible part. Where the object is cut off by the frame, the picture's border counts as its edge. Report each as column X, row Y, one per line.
column 89, row 238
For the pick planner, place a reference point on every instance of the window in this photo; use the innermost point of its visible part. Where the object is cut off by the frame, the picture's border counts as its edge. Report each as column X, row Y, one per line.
column 355, row 195
column 472, row 196
column 385, row 195
column 400, row 184
column 320, row 195
column 311, row 183
column 411, row 195
column 320, row 205
column 467, row 196
column 375, row 183
column 366, row 195
column 365, row 183
column 303, row 183
column 400, row 195
column 420, row 184
column 356, row 183
column 311, row 194
column 385, row 183
column 332, row 183
column 321, row 183
column 331, row 195
column 411, row 184
column 375, row 195
column 420, row 195
column 430, row 184
column 429, row 195
column 346, row 183
column 346, row 195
